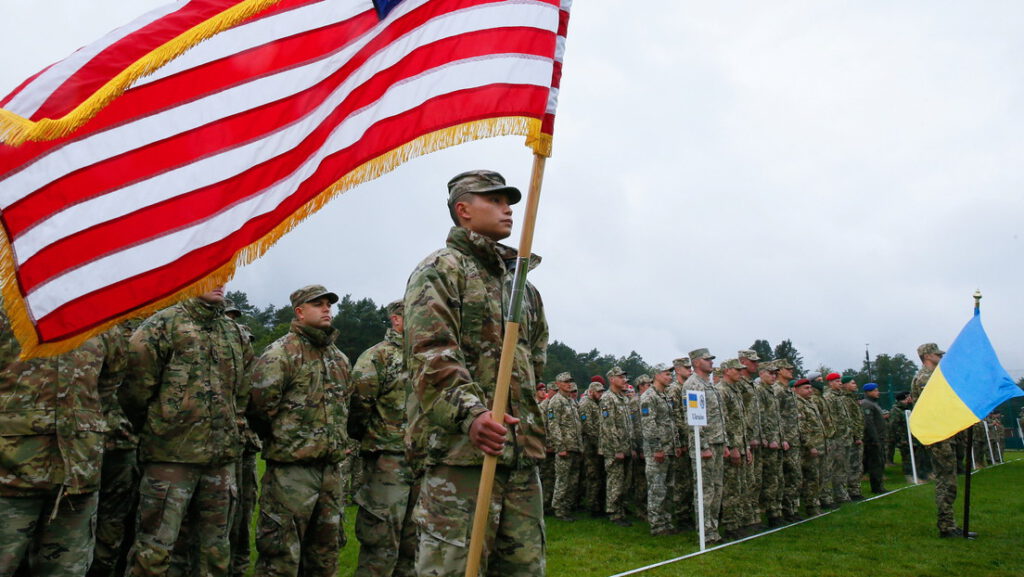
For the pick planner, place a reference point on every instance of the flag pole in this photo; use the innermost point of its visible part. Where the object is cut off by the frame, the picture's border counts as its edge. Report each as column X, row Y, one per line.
column 508, row 349
column 970, row 443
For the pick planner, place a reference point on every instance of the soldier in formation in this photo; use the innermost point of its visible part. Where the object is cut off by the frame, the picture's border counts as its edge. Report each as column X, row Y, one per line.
column 565, row 437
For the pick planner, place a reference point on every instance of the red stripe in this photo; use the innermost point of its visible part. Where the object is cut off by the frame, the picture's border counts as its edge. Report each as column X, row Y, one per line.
column 563, row 23
column 191, row 207
column 95, row 308
column 187, row 147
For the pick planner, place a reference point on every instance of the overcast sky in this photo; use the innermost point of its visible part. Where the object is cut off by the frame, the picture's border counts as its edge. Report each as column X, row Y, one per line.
column 841, row 174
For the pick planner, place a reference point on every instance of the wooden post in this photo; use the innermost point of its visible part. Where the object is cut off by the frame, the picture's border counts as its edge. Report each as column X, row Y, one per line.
column 508, row 351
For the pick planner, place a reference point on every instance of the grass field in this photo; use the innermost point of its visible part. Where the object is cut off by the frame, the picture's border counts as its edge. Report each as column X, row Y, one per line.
column 892, row 536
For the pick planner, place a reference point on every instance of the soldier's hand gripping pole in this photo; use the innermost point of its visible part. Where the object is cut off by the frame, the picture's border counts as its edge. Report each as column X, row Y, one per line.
column 508, row 349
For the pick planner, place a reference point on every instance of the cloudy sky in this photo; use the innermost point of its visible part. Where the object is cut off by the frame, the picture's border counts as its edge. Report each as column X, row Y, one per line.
column 841, row 174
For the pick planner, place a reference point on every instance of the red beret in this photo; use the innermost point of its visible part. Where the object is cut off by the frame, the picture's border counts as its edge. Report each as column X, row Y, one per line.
column 597, row 379
column 833, row 377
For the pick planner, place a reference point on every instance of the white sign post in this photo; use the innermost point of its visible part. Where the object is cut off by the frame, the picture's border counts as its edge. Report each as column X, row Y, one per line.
column 697, row 417
column 910, row 440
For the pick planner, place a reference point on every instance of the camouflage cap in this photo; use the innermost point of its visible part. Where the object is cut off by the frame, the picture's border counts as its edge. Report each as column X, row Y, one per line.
column 311, row 293
column 396, row 308
column 229, row 307
column 682, row 362
column 595, row 386
column 660, row 368
column 929, row 349
column 480, row 182
column 565, row 377
column 768, row 366
column 574, row 388
column 748, row 354
column 700, row 354
column 616, row 372
column 644, row 380
column 783, row 364
column 731, row 364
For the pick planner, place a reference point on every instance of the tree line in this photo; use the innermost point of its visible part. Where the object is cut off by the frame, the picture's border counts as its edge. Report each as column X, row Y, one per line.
column 361, row 323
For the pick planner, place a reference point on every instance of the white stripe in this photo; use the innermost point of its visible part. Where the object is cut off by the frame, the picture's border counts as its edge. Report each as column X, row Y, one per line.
column 30, row 98
column 401, row 97
column 121, row 139
column 228, row 163
column 262, row 31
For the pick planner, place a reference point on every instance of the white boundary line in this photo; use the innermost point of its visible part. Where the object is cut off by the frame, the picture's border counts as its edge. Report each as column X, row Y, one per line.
column 770, row 531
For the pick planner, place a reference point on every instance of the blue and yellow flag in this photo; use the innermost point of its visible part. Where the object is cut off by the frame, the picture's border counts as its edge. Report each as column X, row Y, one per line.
column 966, row 386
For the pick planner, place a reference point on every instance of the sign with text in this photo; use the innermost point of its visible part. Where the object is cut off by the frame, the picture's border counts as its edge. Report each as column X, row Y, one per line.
column 696, row 409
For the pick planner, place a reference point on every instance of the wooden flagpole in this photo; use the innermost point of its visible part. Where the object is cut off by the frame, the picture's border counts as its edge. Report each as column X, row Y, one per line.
column 508, row 350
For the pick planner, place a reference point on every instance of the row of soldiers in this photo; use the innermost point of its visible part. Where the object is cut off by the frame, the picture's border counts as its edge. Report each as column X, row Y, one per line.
column 135, row 453
column 774, row 448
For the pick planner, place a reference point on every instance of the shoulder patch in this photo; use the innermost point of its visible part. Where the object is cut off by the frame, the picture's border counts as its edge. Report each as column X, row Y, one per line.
column 645, row 411
column 583, row 417
column 604, row 413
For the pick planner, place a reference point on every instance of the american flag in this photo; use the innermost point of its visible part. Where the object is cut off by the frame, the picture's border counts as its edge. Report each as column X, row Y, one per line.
column 127, row 183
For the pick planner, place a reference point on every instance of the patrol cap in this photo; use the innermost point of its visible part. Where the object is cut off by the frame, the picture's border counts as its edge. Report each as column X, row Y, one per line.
column 565, row 377
column 783, row 364
column 660, row 368
column 595, row 386
column 644, row 380
column 396, row 308
column 731, row 364
column 616, row 372
column 701, row 354
column 573, row 388
column 748, row 354
column 769, row 366
column 929, row 349
column 229, row 307
column 480, row 182
column 311, row 293
column 682, row 362
column 870, row 387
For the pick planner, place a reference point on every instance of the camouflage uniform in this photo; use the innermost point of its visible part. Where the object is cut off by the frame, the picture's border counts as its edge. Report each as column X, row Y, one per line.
column 593, row 464
column 616, row 438
column 453, row 338
column 638, row 473
column 812, row 436
column 546, row 467
column 53, row 421
column 735, row 479
column 119, row 486
column 943, row 460
column 659, row 436
column 839, row 448
column 299, row 407
column 855, row 454
column 186, row 394
column 792, row 471
column 681, row 474
column 713, row 439
column 824, row 462
column 565, row 435
column 381, row 391
column 771, row 459
column 897, row 431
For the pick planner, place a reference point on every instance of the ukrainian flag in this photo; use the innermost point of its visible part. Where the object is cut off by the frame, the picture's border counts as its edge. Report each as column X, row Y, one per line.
column 966, row 386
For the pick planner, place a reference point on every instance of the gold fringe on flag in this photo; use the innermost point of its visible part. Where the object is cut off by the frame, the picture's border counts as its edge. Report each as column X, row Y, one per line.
column 23, row 325
column 15, row 129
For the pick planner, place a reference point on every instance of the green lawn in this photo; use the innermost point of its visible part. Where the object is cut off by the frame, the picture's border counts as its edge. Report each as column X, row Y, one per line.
column 892, row 536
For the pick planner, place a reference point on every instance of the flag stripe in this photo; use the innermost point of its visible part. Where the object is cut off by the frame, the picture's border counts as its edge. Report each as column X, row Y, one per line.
column 92, row 311
column 204, row 164
column 223, row 103
column 35, row 99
